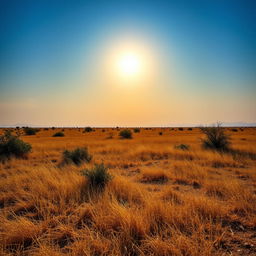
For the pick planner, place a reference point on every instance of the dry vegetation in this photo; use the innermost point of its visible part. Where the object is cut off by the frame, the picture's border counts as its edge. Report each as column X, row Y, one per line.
column 160, row 200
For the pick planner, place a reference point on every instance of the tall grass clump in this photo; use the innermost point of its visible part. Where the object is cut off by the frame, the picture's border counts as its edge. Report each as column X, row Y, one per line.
column 125, row 134
column 216, row 138
column 58, row 134
column 30, row 130
column 98, row 176
column 76, row 156
column 11, row 145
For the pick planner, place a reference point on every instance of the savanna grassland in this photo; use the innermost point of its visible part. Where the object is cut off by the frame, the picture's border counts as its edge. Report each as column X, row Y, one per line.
column 167, row 195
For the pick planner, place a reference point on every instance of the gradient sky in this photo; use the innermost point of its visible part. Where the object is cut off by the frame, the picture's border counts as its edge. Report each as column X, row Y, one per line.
column 56, row 57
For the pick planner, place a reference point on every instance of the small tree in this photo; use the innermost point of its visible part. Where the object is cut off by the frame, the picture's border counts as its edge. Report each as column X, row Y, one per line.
column 11, row 145
column 216, row 138
column 125, row 134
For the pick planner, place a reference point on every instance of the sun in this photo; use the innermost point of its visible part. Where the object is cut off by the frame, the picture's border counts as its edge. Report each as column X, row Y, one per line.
column 129, row 64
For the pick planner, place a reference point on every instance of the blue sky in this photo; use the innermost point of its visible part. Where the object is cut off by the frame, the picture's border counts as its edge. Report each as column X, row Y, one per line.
column 51, row 55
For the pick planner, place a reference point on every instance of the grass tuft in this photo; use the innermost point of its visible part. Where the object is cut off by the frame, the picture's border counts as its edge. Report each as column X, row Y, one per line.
column 98, row 177
column 76, row 156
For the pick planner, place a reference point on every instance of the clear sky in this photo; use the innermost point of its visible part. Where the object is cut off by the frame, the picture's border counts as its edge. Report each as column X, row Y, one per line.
column 58, row 62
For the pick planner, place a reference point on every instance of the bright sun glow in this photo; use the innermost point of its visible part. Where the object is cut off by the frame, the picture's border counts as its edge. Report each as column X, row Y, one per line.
column 129, row 64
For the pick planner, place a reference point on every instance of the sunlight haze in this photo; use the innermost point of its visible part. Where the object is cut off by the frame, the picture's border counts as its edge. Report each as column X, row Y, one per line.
column 138, row 63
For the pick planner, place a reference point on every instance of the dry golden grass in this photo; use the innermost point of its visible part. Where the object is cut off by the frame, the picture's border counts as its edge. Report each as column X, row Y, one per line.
column 161, row 201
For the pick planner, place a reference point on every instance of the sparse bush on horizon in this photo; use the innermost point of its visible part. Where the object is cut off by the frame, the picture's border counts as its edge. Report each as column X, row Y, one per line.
column 98, row 176
column 76, row 156
column 30, row 130
column 216, row 138
column 58, row 134
column 88, row 129
column 125, row 134
column 11, row 145
column 136, row 130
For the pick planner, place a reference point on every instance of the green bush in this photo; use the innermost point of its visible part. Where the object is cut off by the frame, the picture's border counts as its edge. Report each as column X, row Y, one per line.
column 88, row 129
column 58, row 134
column 76, row 156
column 215, row 138
column 125, row 134
column 30, row 130
column 98, row 176
column 11, row 145
column 136, row 130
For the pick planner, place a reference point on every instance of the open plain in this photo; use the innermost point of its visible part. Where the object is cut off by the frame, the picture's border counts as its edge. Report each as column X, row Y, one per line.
column 167, row 195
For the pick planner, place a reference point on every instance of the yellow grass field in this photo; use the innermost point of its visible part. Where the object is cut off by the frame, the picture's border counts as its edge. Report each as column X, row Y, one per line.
column 162, row 200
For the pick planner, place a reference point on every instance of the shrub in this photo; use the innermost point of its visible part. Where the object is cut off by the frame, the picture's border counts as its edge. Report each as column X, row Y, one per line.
column 234, row 130
column 215, row 138
column 88, row 129
column 77, row 156
column 190, row 129
column 180, row 129
column 11, row 145
column 160, row 133
column 58, row 134
column 125, row 134
column 136, row 130
column 98, row 176
column 30, row 130
column 182, row 147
